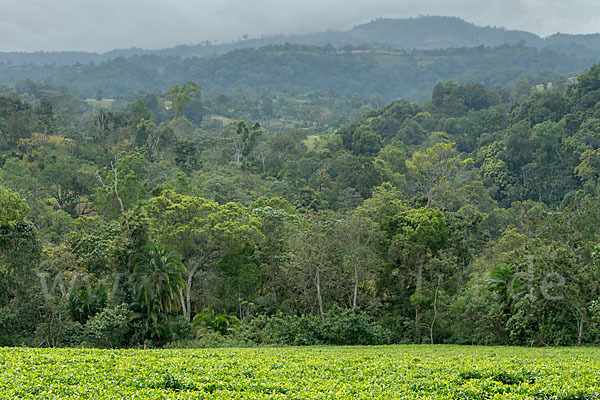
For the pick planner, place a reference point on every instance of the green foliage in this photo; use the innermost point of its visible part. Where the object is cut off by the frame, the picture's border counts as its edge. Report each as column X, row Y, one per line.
column 341, row 327
column 595, row 319
column 180, row 96
column 443, row 372
column 365, row 141
column 98, row 245
column 109, row 328
column 467, row 219
column 352, row 327
column 57, row 330
column 283, row 330
column 434, row 168
column 158, row 281
column 7, row 337
column 13, row 209
column 128, row 171
column 20, row 253
column 209, row 320
column 366, row 70
column 15, row 121
column 458, row 100
column 85, row 302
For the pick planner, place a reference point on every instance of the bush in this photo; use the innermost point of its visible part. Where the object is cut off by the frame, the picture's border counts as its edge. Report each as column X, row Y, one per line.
column 210, row 339
column 209, row 321
column 58, row 333
column 109, row 328
column 282, row 330
column 341, row 327
column 6, row 322
column 352, row 327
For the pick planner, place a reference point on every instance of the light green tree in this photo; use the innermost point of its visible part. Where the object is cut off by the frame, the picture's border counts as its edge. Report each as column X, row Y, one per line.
column 182, row 95
column 201, row 230
column 434, row 168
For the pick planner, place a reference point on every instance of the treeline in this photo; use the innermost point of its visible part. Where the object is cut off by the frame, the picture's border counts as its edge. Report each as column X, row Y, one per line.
column 423, row 33
column 470, row 219
column 364, row 70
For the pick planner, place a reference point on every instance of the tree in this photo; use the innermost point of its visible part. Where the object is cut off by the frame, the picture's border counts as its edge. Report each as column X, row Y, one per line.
column 45, row 116
column 13, row 208
column 589, row 168
column 360, row 236
column 383, row 206
column 434, row 168
column 209, row 320
column 109, row 328
column 70, row 182
column 121, row 185
column 158, row 279
column 246, row 142
column 182, row 95
column 365, row 141
column 411, row 132
column 15, row 121
column 278, row 221
column 20, row 249
column 420, row 235
column 201, row 230
column 317, row 258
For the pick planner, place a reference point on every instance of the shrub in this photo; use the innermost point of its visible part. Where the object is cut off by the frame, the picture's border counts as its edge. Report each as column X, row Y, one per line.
column 209, row 321
column 109, row 328
column 352, row 327
column 341, row 327
column 210, row 339
column 6, row 321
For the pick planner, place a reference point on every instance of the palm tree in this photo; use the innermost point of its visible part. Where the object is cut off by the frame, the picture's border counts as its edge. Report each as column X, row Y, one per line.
column 502, row 281
column 208, row 319
column 158, row 279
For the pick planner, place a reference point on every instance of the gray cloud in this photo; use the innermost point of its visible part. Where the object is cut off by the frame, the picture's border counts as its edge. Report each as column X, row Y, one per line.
column 29, row 25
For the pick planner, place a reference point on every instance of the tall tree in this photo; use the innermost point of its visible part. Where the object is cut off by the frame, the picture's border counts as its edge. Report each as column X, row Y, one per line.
column 360, row 236
column 158, row 278
column 420, row 234
column 434, row 168
column 180, row 96
column 316, row 262
column 201, row 230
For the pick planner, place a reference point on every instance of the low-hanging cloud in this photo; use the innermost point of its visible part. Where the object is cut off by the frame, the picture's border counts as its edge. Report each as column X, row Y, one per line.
column 92, row 25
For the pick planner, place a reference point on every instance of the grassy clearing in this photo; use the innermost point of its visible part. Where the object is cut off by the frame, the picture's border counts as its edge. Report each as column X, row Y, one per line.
column 222, row 119
column 387, row 372
column 106, row 103
column 311, row 141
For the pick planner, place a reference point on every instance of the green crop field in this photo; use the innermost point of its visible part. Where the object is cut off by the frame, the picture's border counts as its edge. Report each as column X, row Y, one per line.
column 388, row 372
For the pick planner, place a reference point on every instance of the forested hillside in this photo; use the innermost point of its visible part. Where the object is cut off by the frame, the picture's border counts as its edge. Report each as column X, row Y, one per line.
column 423, row 33
column 236, row 219
column 364, row 70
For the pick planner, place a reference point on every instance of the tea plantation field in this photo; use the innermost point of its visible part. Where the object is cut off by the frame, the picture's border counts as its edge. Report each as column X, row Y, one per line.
column 387, row 372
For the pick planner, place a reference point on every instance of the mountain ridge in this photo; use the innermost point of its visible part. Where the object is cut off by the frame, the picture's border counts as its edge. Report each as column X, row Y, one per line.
column 423, row 33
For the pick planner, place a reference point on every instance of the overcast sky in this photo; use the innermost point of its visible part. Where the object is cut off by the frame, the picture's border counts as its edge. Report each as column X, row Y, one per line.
column 94, row 25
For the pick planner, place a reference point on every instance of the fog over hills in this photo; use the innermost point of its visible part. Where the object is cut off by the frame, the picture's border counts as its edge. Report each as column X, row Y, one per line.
column 428, row 33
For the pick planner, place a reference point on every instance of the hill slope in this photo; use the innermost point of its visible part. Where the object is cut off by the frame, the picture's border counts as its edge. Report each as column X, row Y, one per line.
column 431, row 32
column 390, row 74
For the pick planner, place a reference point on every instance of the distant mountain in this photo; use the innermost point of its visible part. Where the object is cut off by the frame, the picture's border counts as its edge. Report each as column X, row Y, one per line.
column 433, row 33
column 425, row 33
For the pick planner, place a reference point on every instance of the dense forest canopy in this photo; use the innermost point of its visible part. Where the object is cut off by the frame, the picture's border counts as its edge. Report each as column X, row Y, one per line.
column 391, row 58
column 275, row 217
column 364, row 70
